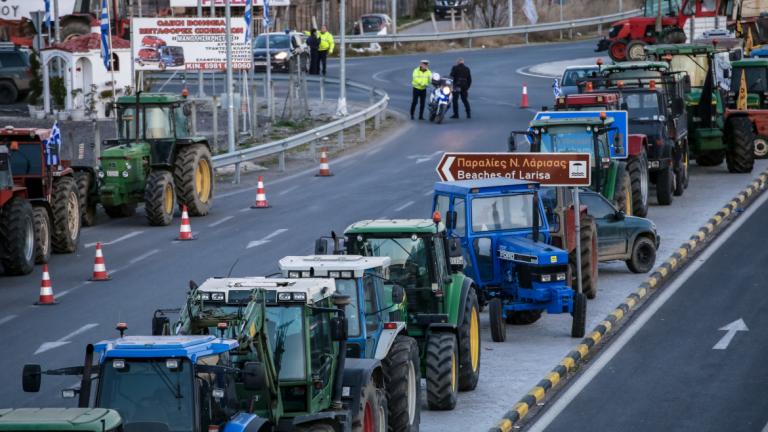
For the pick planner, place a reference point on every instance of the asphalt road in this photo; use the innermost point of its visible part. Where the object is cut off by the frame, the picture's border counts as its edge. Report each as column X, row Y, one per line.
column 682, row 370
column 390, row 177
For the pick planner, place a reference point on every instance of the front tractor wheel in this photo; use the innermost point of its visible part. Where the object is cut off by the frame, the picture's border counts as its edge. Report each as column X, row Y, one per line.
column 638, row 178
column 589, row 257
column 579, row 314
column 84, row 181
column 372, row 413
column 193, row 175
column 42, row 235
column 442, row 371
column 761, row 147
column 159, row 198
column 618, row 50
column 740, row 156
column 66, row 215
column 469, row 344
column 665, row 186
column 17, row 237
column 635, row 50
column 496, row 317
column 681, row 175
column 402, row 378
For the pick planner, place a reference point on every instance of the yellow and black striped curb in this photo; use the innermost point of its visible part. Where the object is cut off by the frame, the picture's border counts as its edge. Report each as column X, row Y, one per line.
column 661, row 274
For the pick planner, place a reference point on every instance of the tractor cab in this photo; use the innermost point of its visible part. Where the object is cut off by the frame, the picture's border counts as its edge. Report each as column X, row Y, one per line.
column 754, row 73
column 31, row 163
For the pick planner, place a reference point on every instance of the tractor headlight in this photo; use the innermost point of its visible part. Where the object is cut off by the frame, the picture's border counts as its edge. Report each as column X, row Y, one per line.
column 346, row 274
column 334, row 274
column 446, row 90
column 300, row 296
column 204, row 296
column 217, row 296
column 125, row 174
column 294, row 274
column 284, row 296
column 127, row 165
column 545, row 278
column 560, row 277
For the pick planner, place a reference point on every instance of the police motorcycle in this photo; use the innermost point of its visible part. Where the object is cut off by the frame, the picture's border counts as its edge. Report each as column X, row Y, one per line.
column 440, row 98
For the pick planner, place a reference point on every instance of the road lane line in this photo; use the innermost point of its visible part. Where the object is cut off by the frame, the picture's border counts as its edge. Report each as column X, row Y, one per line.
column 429, row 193
column 117, row 240
column 599, row 363
column 220, row 221
column 46, row 346
column 6, row 319
column 144, row 256
column 266, row 239
column 292, row 188
column 404, row 206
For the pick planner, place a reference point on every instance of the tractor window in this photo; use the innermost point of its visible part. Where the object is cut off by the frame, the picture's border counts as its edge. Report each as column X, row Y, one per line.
column 441, row 204
column 502, row 212
column 756, row 77
column 371, row 304
column 695, row 65
column 352, row 311
column 286, row 334
column 409, row 266
column 668, row 7
column 442, row 264
column 159, row 122
column 571, row 77
column 597, row 206
column 320, row 339
column 568, row 139
column 127, row 119
column 28, row 160
column 642, row 106
column 461, row 216
column 182, row 123
column 5, row 175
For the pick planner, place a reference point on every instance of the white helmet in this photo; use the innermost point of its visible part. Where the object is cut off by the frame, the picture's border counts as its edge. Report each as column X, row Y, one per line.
column 435, row 76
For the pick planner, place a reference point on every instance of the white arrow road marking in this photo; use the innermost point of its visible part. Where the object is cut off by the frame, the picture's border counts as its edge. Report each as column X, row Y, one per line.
column 730, row 330
column 404, row 206
column 426, row 158
column 117, row 240
column 446, row 169
column 144, row 256
column 220, row 221
column 64, row 340
column 266, row 239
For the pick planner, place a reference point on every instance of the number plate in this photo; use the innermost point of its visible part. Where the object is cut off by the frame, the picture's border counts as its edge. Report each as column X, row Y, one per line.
column 113, row 174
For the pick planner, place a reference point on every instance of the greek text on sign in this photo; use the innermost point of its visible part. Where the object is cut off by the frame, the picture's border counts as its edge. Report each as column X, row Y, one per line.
column 551, row 169
column 233, row 3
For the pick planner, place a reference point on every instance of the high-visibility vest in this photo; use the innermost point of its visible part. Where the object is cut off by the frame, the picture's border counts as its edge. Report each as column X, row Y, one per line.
column 326, row 42
column 421, row 78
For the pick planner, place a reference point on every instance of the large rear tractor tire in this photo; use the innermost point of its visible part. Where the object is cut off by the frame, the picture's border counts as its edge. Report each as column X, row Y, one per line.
column 681, row 175
column 159, row 198
column 579, row 314
column 643, row 256
column 589, row 257
column 84, row 181
column 672, row 35
column 442, row 371
column 372, row 413
column 193, row 175
column 66, row 215
column 665, row 186
column 17, row 237
column 42, row 235
column 402, row 382
column 469, row 344
column 622, row 191
column 710, row 158
column 740, row 156
column 638, row 178
column 496, row 317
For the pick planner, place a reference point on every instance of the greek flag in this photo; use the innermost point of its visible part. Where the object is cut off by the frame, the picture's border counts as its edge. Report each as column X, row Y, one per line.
column 53, row 146
column 267, row 20
column 105, row 54
column 48, row 13
column 248, row 17
column 556, row 88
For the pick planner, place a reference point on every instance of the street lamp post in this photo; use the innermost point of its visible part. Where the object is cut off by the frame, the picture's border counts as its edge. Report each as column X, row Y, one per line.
column 230, row 95
column 341, row 109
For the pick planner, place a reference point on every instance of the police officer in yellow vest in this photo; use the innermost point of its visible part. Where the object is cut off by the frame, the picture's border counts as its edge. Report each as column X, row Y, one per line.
column 326, row 46
column 419, row 82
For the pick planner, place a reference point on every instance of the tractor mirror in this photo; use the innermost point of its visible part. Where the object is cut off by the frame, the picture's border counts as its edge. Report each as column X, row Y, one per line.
column 192, row 285
column 321, row 246
column 398, row 294
column 254, row 376
column 159, row 324
column 450, row 219
column 187, row 109
column 108, row 109
column 338, row 329
column 31, row 377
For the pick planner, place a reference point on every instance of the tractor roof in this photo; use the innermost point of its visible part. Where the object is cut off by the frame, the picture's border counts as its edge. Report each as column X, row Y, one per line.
column 588, row 99
column 750, row 63
column 151, row 98
column 573, row 121
column 494, row 185
column 418, row 226
column 685, row 49
column 59, row 419
column 316, row 289
column 190, row 347
column 324, row 265
column 636, row 65
column 10, row 133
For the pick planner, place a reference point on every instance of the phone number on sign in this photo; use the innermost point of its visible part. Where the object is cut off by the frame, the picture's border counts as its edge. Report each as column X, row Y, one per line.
column 218, row 65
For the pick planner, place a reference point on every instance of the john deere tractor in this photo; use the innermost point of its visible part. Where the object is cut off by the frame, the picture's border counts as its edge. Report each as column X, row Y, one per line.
column 155, row 160
column 752, row 76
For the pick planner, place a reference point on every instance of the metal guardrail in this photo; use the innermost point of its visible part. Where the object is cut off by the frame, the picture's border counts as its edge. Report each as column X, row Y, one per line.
column 307, row 137
column 496, row 31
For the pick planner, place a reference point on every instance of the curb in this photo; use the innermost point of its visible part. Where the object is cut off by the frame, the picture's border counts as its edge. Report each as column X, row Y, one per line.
column 654, row 281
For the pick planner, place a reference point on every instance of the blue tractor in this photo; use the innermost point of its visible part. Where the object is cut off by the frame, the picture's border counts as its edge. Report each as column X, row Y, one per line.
column 508, row 251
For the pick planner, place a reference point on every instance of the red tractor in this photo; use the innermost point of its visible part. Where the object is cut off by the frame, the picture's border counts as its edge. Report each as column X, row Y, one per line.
column 17, row 229
column 663, row 21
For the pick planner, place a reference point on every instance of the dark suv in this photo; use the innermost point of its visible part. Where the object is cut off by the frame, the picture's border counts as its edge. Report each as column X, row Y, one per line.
column 15, row 74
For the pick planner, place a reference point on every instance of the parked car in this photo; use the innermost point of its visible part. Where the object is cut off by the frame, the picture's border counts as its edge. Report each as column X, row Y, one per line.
column 147, row 56
column 282, row 47
column 572, row 75
column 152, row 41
column 15, row 74
column 443, row 7
column 171, row 56
column 373, row 23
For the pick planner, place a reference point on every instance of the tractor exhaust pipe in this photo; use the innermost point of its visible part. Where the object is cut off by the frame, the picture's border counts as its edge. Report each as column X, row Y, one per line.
column 136, row 113
column 85, row 383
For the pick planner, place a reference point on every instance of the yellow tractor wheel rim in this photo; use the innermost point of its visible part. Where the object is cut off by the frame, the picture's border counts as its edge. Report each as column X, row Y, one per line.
column 168, row 198
column 628, row 197
column 203, row 180
column 474, row 340
column 454, row 377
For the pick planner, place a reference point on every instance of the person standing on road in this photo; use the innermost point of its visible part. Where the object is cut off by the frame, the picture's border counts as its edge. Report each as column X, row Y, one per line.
column 313, row 42
column 326, row 46
column 462, row 80
column 420, row 79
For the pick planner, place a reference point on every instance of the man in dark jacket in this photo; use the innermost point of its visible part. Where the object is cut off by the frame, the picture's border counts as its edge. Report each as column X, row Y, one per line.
column 462, row 80
column 313, row 42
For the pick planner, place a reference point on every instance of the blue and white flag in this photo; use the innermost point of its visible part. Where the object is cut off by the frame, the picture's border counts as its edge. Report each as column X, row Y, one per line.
column 106, row 55
column 53, row 146
column 267, row 20
column 248, row 17
column 556, row 88
column 48, row 13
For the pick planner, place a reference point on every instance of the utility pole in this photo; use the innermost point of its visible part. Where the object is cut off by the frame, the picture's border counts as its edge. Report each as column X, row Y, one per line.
column 511, row 8
column 230, row 95
column 200, row 92
column 561, row 17
column 56, row 25
column 341, row 108
column 394, row 18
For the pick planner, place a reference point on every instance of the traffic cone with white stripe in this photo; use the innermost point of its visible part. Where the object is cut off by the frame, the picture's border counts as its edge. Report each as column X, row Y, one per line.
column 325, row 170
column 185, row 232
column 261, row 196
column 46, row 289
column 524, row 102
column 99, row 267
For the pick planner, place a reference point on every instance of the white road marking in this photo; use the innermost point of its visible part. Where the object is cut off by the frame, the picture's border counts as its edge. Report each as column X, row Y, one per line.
column 290, row 189
column 117, row 240
column 64, row 340
column 143, row 256
column 646, row 314
column 765, row 428
column 429, row 193
column 266, row 239
column 244, row 210
column 523, row 71
column 404, row 206
column 374, row 151
column 7, row 319
column 71, row 290
column 730, row 332
column 220, row 221
column 429, row 158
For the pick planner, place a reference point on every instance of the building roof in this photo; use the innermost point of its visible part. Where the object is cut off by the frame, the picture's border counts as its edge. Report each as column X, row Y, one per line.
column 321, row 265
column 88, row 42
column 60, row 419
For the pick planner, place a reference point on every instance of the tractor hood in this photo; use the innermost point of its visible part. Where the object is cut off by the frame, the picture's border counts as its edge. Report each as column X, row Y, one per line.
column 525, row 251
column 130, row 151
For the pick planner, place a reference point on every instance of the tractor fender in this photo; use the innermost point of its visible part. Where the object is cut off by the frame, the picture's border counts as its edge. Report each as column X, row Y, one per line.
column 244, row 422
column 465, row 287
column 637, row 143
column 386, row 339
column 63, row 172
column 357, row 373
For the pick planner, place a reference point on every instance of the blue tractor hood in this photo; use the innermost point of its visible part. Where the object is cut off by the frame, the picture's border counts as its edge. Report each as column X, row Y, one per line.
column 525, row 251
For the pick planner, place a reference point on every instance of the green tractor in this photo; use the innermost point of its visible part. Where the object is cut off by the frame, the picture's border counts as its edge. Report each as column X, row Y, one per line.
column 154, row 160
column 715, row 132
column 60, row 420
column 755, row 83
column 443, row 311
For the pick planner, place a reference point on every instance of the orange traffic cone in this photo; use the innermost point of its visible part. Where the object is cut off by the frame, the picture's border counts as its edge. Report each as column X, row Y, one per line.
column 46, row 289
column 185, row 232
column 99, row 268
column 524, row 102
column 261, row 197
column 325, row 170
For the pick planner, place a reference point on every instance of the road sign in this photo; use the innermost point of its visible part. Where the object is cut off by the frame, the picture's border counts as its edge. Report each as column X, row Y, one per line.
column 550, row 169
column 620, row 121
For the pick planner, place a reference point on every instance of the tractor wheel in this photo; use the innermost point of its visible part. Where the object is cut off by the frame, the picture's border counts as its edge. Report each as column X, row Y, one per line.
column 740, row 156
column 402, row 381
column 523, row 317
column 159, row 198
column 8, row 92
column 496, row 317
column 469, row 344
column 17, row 237
column 372, row 414
column 710, row 158
column 672, row 35
column 579, row 314
column 589, row 257
column 442, row 371
column 761, row 147
column 638, row 178
column 84, row 181
column 665, row 185
column 681, row 175
column 42, row 235
column 635, row 50
column 643, row 256
column 193, row 175
column 66, row 215
column 618, row 50
column 74, row 29
column 622, row 191
column 120, row 211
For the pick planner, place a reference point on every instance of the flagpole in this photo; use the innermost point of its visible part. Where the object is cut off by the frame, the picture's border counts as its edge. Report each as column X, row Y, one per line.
column 111, row 62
